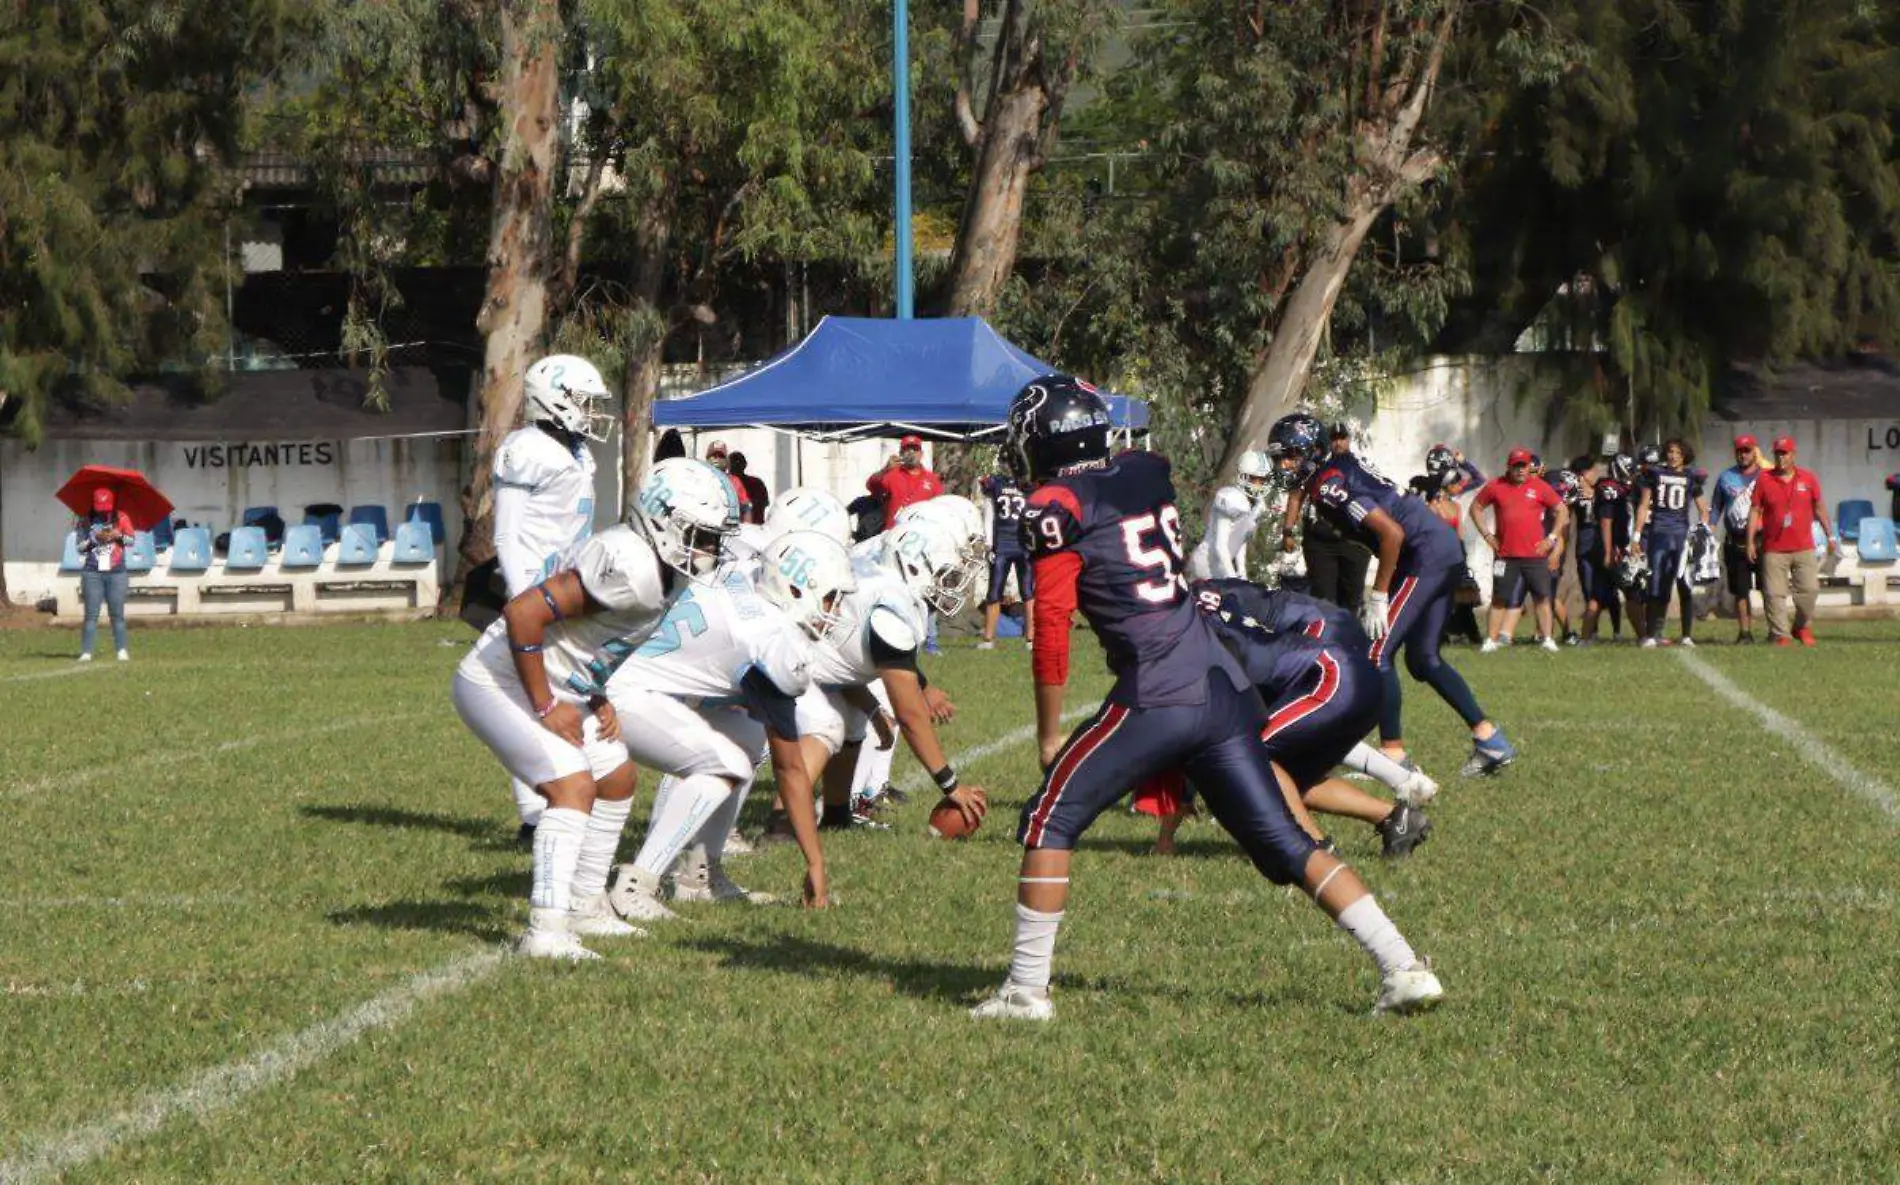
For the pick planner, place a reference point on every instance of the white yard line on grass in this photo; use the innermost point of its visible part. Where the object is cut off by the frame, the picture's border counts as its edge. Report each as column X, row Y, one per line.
column 990, row 748
column 167, row 758
column 223, row 1087
column 78, row 668
column 1815, row 750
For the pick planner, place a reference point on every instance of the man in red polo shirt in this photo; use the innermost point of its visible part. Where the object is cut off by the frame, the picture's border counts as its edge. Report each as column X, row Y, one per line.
column 904, row 481
column 1781, row 522
column 1524, row 542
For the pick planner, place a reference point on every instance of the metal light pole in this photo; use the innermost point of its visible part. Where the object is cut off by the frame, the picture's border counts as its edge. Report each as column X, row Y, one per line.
column 900, row 85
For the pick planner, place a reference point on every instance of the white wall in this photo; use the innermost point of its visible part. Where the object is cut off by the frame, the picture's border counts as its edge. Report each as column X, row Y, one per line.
column 212, row 482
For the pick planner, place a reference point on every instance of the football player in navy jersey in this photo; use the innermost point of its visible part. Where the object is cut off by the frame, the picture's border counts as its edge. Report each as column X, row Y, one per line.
column 1613, row 508
column 1420, row 562
column 1106, row 538
column 1672, row 503
column 1006, row 556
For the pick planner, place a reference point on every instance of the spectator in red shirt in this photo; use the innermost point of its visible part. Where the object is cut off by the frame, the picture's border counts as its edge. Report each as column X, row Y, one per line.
column 716, row 457
column 757, row 497
column 1781, row 535
column 1523, row 544
column 904, row 481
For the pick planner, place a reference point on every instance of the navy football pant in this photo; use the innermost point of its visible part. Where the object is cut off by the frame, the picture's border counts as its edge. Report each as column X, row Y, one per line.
column 1216, row 744
column 1000, row 565
column 1419, row 603
column 1312, row 728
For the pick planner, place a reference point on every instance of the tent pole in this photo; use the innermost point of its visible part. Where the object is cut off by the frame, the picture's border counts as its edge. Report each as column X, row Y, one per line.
column 900, row 85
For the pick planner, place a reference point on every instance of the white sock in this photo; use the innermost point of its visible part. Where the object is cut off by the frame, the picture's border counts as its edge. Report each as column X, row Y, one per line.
column 873, row 769
column 718, row 826
column 528, row 803
column 1035, row 947
column 557, row 851
column 677, row 818
column 1368, row 760
column 1367, row 923
column 602, row 843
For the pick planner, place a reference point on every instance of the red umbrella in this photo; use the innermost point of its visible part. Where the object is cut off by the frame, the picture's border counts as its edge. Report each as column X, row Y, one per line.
column 137, row 499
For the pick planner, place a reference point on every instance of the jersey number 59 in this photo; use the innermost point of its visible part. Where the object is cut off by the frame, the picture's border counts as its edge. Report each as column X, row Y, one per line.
column 1164, row 559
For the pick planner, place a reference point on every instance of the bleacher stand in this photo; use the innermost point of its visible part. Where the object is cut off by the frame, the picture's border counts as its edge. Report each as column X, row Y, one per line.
column 415, row 543
column 374, row 517
column 431, row 513
column 1849, row 514
column 358, row 544
column 248, row 551
column 191, row 550
column 303, row 547
column 142, row 556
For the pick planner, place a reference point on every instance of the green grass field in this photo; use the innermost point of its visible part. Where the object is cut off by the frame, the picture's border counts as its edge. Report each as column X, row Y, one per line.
column 254, row 878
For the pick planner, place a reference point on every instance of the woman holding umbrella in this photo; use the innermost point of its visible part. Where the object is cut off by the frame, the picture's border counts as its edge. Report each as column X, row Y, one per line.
column 103, row 534
column 111, row 505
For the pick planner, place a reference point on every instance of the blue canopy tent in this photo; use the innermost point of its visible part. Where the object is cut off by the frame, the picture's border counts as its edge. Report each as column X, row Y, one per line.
column 858, row 377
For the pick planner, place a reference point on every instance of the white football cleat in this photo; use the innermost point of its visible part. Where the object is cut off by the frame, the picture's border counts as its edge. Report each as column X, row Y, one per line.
column 86, row 657
column 636, row 896
column 1418, row 789
column 1649, row 643
column 737, row 845
column 594, row 918
column 1550, row 644
column 1013, row 1001
column 1490, row 646
column 1413, row 989
column 698, row 878
column 548, row 937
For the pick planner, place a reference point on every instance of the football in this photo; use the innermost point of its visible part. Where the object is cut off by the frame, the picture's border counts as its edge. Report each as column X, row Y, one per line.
column 946, row 822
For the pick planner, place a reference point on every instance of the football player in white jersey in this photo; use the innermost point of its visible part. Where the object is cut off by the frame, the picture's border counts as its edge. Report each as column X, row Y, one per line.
column 1231, row 519
column 544, row 490
column 921, row 567
column 712, row 690
column 532, row 689
column 871, row 783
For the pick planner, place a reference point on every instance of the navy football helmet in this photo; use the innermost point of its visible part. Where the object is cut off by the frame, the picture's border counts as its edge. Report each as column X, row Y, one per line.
column 1623, row 468
column 1439, row 459
column 1567, row 485
column 1301, row 440
column 1649, row 455
column 1633, row 573
column 1056, row 423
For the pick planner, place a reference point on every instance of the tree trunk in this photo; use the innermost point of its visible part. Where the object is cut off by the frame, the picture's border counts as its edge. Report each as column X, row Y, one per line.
column 646, row 344
column 1007, row 157
column 521, row 254
column 1281, row 376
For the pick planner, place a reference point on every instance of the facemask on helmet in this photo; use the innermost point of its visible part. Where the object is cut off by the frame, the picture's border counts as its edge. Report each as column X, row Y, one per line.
column 686, row 508
column 567, row 391
column 1440, row 459
column 807, row 574
column 931, row 562
column 960, row 518
column 807, row 508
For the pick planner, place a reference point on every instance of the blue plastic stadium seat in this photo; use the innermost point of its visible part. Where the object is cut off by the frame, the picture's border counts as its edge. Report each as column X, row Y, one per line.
column 191, row 549
column 142, row 556
column 413, row 544
column 303, row 547
column 329, row 526
column 1848, row 516
column 431, row 513
column 358, row 545
column 162, row 534
column 69, row 559
column 1877, row 541
column 248, row 551
column 374, row 517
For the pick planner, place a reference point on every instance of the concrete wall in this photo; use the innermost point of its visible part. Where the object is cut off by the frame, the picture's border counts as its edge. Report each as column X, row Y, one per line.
column 212, row 482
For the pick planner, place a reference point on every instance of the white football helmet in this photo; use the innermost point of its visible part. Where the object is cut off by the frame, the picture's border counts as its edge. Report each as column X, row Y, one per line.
column 960, row 517
column 686, row 508
column 807, row 574
column 564, row 389
column 1255, row 473
column 808, row 508
column 931, row 561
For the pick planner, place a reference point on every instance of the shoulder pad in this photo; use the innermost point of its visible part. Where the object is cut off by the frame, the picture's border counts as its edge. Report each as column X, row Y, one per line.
column 1230, row 502
column 891, row 625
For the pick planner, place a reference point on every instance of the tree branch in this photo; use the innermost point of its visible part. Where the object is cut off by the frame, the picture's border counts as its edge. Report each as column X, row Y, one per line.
column 1409, row 117
column 568, row 278
column 966, row 74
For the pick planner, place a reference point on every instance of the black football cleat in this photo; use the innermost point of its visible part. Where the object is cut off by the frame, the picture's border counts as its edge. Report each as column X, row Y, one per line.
column 1402, row 830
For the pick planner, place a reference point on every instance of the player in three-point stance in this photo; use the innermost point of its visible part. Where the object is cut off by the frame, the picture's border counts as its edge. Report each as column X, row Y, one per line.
column 544, row 490
column 1420, row 564
column 532, row 689
column 1106, row 539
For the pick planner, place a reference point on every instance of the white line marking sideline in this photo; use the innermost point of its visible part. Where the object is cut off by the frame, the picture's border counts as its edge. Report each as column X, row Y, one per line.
column 78, row 668
column 223, row 1087
column 1816, row 751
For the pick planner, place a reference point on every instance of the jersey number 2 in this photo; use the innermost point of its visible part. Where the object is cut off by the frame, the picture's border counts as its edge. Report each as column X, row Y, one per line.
column 1166, row 559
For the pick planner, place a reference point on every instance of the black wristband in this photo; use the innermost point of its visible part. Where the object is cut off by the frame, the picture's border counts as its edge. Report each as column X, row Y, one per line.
column 946, row 779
